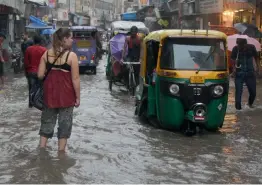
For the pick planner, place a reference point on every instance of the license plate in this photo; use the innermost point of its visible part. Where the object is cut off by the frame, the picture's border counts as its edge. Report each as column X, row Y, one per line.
column 83, row 44
column 197, row 80
column 197, row 118
column 82, row 57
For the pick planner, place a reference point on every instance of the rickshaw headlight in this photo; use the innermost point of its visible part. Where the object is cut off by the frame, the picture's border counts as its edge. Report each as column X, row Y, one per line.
column 174, row 89
column 218, row 90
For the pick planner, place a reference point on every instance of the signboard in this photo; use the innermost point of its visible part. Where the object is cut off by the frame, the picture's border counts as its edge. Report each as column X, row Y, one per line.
column 72, row 7
column 210, row 6
column 62, row 14
column 144, row 2
column 52, row 3
column 62, row 1
column 78, row 7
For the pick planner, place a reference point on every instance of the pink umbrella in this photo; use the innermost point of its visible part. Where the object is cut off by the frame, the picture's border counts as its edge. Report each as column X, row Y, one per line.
column 232, row 41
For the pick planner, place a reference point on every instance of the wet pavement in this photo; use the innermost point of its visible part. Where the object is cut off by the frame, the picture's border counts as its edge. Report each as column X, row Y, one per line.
column 110, row 145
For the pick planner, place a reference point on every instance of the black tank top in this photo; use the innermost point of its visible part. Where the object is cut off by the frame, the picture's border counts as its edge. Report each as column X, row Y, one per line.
column 64, row 66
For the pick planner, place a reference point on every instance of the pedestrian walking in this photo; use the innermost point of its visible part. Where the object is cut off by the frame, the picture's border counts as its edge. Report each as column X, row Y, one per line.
column 32, row 59
column 244, row 71
column 26, row 43
column 61, row 88
column 3, row 58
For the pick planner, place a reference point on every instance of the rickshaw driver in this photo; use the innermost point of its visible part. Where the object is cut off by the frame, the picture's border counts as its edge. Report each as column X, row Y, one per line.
column 133, row 43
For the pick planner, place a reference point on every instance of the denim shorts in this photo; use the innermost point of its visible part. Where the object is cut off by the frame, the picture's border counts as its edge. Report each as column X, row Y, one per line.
column 65, row 122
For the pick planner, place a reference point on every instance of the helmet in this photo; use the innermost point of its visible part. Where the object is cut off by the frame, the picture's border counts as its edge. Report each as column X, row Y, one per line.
column 134, row 29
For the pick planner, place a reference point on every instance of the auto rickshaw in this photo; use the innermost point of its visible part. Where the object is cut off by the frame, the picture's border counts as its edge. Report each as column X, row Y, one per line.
column 184, row 80
column 85, row 47
column 123, row 27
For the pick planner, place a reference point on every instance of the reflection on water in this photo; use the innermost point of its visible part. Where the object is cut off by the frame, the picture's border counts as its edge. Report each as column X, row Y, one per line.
column 41, row 167
column 110, row 145
column 230, row 124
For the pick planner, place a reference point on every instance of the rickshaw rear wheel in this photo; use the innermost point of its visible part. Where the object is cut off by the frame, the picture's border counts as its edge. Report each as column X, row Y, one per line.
column 94, row 70
column 189, row 128
column 212, row 129
column 110, row 81
column 131, row 83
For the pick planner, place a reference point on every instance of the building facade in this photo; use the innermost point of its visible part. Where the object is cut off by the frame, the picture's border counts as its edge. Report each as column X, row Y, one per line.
column 199, row 13
column 11, row 19
column 104, row 13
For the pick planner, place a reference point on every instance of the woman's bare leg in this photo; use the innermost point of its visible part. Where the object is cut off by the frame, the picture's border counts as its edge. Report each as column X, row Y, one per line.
column 43, row 142
column 62, row 145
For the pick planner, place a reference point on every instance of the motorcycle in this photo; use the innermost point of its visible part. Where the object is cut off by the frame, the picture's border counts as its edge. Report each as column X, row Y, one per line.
column 16, row 61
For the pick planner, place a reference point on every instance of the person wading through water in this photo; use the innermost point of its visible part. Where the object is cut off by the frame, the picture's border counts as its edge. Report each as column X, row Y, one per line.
column 61, row 88
column 244, row 71
column 3, row 58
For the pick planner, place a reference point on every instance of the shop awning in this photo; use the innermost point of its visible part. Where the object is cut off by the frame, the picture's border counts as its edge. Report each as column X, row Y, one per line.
column 130, row 16
column 74, row 14
column 37, row 2
column 36, row 20
column 17, row 7
column 38, row 26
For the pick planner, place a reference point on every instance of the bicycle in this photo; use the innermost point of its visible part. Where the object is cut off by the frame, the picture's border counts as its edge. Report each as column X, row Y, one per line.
column 131, row 84
column 126, row 78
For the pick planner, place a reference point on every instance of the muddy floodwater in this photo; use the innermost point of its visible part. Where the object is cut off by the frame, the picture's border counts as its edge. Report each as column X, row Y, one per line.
column 110, row 145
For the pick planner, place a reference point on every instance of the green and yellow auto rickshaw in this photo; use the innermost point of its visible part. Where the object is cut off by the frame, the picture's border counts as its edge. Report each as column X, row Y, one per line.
column 184, row 80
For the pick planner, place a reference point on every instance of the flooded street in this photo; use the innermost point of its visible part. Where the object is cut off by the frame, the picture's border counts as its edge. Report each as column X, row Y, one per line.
column 110, row 145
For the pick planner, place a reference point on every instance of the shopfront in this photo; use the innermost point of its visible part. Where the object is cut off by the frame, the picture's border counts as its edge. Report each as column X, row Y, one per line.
column 239, row 12
column 4, row 12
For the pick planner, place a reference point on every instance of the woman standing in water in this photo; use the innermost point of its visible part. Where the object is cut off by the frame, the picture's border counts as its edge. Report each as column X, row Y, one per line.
column 61, row 88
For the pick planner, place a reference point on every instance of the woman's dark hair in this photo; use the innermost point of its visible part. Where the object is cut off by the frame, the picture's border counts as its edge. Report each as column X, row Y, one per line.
column 58, row 37
column 38, row 39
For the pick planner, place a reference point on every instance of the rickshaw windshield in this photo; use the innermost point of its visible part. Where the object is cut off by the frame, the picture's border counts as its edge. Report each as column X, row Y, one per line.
column 202, row 54
column 82, row 34
column 83, row 38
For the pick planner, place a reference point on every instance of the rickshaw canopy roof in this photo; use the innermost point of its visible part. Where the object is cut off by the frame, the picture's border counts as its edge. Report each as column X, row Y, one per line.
column 87, row 28
column 126, row 26
column 162, row 34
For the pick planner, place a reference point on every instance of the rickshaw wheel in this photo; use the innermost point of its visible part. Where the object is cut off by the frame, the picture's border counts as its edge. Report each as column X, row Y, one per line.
column 212, row 130
column 94, row 71
column 110, row 81
column 131, row 85
column 189, row 129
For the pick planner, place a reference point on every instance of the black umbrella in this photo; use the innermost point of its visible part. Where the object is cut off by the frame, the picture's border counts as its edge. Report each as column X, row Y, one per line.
column 248, row 29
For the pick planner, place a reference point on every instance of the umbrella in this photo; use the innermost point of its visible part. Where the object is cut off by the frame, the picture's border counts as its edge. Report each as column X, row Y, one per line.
column 232, row 41
column 117, row 45
column 48, row 31
column 240, row 27
column 248, row 29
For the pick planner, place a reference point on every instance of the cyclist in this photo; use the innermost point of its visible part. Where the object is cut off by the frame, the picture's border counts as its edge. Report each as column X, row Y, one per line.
column 133, row 45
